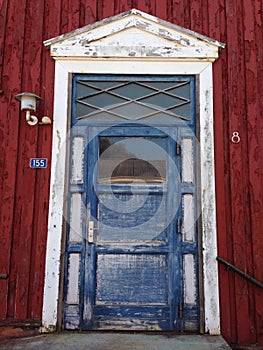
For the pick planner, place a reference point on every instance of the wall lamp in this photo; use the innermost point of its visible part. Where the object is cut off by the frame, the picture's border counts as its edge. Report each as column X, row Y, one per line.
column 28, row 104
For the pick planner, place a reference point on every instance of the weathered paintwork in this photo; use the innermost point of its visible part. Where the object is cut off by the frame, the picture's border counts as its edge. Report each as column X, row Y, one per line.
column 25, row 65
column 125, row 35
column 134, row 269
column 65, row 65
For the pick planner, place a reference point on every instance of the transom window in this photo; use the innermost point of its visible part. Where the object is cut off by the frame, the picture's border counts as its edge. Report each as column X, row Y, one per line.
column 138, row 98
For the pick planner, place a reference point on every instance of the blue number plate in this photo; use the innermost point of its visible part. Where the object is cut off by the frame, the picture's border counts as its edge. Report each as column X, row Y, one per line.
column 37, row 163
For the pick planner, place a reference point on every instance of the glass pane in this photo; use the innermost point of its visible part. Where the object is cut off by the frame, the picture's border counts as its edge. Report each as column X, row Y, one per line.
column 133, row 91
column 132, row 159
column 103, row 100
column 133, row 110
column 83, row 109
column 181, row 90
column 161, row 101
column 83, row 90
column 183, row 110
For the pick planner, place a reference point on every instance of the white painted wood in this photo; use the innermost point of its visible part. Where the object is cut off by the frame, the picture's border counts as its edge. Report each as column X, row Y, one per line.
column 190, row 292
column 73, row 279
column 77, row 165
column 187, row 160
column 75, row 232
column 125, row 36
column 57, row 183
column 208, row 206
column 136, row 51
column 129, row 64
column 188, row 218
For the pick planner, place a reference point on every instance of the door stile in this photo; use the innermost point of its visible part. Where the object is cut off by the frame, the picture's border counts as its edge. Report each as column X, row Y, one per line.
column 91, row 214
column 190, row 303
column 175, row 278
column 75, row 251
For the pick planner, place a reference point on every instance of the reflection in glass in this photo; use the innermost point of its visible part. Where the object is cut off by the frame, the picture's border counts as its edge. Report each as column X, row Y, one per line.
column 132, row 159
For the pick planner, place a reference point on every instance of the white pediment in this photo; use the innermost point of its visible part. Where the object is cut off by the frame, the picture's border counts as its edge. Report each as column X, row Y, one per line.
column 134, row 34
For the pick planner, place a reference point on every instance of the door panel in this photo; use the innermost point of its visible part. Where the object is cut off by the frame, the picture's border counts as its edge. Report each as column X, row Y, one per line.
column 131, row 279
column 118, row 225
column 137, row 185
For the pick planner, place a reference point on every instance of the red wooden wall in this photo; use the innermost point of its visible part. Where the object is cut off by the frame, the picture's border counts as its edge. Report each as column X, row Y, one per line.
column 25, row 65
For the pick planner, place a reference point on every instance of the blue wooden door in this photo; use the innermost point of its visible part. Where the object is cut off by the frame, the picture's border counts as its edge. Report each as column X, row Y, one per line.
column 131, row 253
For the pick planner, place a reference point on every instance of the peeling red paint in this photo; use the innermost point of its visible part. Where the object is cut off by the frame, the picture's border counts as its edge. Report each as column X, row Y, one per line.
column 238, row 106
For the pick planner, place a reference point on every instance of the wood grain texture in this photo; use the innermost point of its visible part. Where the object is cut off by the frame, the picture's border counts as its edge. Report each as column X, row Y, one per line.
column 253, row 57
column 4, row 139
column 11, row 84
column 217, row 30
column 238, row 106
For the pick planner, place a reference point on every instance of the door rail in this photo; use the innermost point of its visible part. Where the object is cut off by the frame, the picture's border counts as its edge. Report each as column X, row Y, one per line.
column 240, row 272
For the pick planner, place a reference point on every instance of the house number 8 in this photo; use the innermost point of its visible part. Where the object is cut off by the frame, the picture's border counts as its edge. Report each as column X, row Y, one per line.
column 235, row 138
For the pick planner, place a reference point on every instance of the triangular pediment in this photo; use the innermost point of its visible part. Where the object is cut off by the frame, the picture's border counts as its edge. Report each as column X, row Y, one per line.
column 134, row 34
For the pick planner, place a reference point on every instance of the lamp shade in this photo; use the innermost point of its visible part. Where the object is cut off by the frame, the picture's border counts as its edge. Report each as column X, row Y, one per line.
column 28, row 101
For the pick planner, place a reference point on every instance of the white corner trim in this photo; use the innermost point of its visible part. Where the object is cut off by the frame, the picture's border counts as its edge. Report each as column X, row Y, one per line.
column 58, row 171
column 57, row 183
column 208, row 200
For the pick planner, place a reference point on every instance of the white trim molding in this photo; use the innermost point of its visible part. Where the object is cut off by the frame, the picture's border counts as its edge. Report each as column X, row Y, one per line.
column 71, row 58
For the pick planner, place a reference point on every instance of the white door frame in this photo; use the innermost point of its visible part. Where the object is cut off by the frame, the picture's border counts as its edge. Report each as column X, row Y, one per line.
column 63, row 70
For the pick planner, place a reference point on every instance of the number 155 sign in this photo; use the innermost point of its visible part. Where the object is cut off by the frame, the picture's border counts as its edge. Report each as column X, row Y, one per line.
column 38, row 163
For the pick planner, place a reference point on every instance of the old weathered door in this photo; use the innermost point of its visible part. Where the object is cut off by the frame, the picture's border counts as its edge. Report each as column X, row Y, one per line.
column 132, row 238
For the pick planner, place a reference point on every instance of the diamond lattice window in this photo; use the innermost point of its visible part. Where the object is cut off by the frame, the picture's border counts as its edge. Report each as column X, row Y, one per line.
column 132, row 100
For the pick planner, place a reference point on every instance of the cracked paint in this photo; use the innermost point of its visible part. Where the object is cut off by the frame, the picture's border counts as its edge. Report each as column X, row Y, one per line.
column 154, row 41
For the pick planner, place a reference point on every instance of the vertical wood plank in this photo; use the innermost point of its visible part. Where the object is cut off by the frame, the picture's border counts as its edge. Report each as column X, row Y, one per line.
column 88, row 12
column 196, row 15
column 122, row 6
column 3, row 19
column 70, row 15
column 256, row 173
column 105, row 9
column 205, row 8
column 5, row 236
column 9, row 129
column 253, row 57
column 51, row 28
column 217, row 29
column 26, row 177
column 146, row 6
column 161, row 9
column 238, row 171
column 73, row 15
column 178, row 12
column 187, row 14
